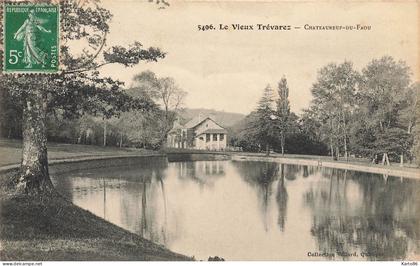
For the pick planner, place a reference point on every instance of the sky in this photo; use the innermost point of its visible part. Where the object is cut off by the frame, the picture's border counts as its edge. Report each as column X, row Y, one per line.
column 227, row 70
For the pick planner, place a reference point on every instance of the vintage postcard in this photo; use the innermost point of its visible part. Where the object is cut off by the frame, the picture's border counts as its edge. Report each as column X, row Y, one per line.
column 163, row 130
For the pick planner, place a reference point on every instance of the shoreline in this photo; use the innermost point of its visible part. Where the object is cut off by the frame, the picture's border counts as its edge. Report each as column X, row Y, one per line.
column 183, row 155
column 405, row 172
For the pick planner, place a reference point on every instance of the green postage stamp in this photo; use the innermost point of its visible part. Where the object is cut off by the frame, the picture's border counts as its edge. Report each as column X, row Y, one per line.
column 31, row 38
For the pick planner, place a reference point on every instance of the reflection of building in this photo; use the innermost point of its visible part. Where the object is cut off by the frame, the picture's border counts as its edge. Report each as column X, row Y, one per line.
column 201, row 169
column 203, row 134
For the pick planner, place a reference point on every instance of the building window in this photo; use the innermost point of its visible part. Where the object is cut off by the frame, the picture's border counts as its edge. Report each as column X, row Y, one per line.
column 222, row 137
column 207, row 137
column 214, row 137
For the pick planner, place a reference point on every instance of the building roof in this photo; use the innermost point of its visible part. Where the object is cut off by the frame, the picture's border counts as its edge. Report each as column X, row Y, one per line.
column 197, row 121
column 194, row 122
column 214, row 130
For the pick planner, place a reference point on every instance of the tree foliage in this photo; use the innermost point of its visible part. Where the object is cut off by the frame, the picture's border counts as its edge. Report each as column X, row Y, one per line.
column 166, row 93
column 367, row 113
column 381, row 123
column 262, row 128
column 78, row 89
column 283, row 111
column 333, row 98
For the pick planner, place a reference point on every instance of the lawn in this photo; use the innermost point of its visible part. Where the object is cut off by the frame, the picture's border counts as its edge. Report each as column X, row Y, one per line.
column 11, row 151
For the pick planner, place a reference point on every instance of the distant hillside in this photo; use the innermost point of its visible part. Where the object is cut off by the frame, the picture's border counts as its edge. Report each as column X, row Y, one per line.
column 226, row 119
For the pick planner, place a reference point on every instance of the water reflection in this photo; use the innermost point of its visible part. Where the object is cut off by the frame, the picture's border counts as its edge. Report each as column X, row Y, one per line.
column 281, row 198
column 203, row 173
column 365, row 213
column 255, row 210
column 261, row 176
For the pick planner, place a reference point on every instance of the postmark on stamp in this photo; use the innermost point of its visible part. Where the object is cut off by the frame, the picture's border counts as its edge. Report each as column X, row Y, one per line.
column 31, row 38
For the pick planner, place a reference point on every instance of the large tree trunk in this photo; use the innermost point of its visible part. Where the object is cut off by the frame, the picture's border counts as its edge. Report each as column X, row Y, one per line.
column 34, row 177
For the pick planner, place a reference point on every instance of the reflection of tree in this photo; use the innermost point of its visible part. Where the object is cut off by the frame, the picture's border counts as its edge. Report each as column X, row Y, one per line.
column 143, row 188
column 281, row 199
column 305, row 171
column 260, row 175
column 150, row 227
column 143, row 220
column 308, row 170
column 140, row 189
column 159, row 175
column 291, row 171
column 379, row 217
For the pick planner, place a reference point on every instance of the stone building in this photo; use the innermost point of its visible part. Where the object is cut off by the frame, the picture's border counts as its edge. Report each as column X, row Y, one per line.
column 199, row 133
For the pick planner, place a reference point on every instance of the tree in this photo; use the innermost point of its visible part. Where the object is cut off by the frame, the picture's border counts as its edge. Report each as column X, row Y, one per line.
column 383, row 95
column 407, row 116
column 88, row 24
column 301, row 139
column 171, row 97
column 165, row 92
column 334, row 95
column 382, row 90
column 310, row 124
column 416, row 148
column 283, row 111
column 10, row 113
column 142, row 129
column 262, row 128
column 242, row 135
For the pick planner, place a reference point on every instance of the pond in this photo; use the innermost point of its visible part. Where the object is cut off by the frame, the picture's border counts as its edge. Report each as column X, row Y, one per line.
column 242, row 210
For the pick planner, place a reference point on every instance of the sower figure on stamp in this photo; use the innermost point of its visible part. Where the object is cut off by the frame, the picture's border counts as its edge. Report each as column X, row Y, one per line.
column 27, row 33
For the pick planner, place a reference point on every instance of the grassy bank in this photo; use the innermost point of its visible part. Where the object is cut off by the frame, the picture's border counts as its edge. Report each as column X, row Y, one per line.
column 11, row 151
column 52, row 228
